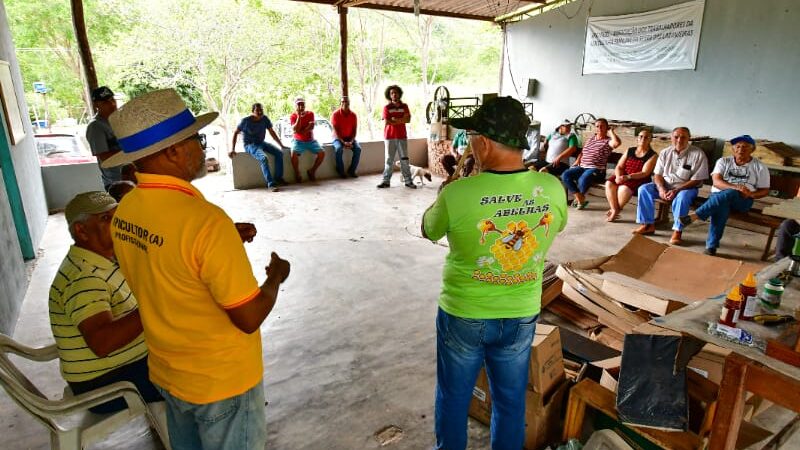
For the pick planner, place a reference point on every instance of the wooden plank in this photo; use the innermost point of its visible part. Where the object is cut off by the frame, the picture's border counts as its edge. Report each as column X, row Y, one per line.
column 551, row 292
column 730, row 409
column 612, row 320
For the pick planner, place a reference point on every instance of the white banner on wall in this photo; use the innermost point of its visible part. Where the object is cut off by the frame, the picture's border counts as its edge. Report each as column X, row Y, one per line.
column 664, row 39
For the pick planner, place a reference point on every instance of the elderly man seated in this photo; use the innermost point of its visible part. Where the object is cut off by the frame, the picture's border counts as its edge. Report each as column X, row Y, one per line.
column 738, row 180
column 93, row 314
column 680, row 171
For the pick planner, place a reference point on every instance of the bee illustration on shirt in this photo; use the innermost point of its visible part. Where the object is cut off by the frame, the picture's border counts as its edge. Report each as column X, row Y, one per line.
column 516, row 236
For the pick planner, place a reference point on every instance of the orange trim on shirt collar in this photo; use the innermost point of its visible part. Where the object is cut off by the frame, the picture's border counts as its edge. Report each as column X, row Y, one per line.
column 243, row 301
column 167, row 186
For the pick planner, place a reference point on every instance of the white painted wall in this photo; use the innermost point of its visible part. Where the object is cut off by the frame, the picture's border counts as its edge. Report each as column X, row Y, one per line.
column 247, row 172
column 745, row 81
column 62, row 183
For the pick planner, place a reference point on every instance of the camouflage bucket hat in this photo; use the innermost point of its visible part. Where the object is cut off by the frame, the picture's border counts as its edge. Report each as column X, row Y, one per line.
column 501, row 119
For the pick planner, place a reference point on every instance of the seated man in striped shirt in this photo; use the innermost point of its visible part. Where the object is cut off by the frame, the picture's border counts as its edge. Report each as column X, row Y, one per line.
column 93, row 314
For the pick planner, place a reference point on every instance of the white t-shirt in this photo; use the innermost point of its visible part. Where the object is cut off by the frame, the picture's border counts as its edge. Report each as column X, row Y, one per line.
column 754, row 174
column 557, row 143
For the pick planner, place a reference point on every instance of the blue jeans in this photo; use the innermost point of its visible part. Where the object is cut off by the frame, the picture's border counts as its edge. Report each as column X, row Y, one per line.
column 646, row 205
column 462, row 347
column 234, row 423
column 580, row 179
column 338, row 148
column 259, row 152
column 135, row 372
column 718, row 207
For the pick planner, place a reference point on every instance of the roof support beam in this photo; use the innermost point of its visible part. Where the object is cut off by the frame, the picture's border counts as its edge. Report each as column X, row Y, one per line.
column 343, row 49
column 87, row 63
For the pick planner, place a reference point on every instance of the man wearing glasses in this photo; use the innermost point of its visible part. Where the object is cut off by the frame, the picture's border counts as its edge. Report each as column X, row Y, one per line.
column 184, row 258
column 255, row 127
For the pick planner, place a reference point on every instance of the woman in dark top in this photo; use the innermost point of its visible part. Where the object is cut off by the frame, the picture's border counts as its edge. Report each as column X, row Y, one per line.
column 633, row 170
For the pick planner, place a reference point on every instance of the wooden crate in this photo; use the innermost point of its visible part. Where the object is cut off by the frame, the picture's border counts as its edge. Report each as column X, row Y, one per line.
column 770, row 152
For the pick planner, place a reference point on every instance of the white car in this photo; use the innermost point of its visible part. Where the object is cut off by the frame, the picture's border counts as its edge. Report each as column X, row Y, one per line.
column 323, row 130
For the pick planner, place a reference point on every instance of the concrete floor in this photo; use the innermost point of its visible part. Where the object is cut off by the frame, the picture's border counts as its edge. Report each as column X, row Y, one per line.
column 350, row 347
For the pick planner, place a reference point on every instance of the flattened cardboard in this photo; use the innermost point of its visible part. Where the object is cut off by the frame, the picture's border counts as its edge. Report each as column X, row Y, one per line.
column 655, row 277
column 686, row 273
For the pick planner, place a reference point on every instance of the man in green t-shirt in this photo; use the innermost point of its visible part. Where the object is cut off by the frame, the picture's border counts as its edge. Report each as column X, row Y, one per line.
column 499, row 225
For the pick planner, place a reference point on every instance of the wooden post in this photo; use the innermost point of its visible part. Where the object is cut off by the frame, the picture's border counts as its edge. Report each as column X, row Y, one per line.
column 343, row 49
column 87, row 63
column 502, row 58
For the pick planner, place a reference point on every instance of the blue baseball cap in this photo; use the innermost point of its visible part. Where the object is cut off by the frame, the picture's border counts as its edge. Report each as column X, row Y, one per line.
column 743, row 138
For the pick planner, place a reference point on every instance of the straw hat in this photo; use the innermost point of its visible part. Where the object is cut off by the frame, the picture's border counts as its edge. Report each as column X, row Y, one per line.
column 150, row 123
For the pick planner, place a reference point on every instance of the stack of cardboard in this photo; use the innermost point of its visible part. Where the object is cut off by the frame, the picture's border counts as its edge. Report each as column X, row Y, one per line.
column 610, row 296
column 707, row 144
column 544, row 397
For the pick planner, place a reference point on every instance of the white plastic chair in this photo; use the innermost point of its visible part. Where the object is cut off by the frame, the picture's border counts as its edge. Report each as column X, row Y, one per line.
column 72, row 426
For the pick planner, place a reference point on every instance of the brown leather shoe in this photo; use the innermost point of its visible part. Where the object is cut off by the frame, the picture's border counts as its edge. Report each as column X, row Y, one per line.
column 645, row 229
column 676, row 238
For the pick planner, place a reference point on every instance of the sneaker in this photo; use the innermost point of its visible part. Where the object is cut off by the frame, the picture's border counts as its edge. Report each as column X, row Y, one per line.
column 342, row 175
column 384, row 184
column 583, row 205
column 411, row 185
column 280, row 182
column 685, row 220
column 710, row 251
column 352, row 174
column 676, row 238
column 275, row 189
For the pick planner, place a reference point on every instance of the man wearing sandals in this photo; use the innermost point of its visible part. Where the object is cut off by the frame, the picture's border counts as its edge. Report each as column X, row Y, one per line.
column 303, row 125
column 680, row 171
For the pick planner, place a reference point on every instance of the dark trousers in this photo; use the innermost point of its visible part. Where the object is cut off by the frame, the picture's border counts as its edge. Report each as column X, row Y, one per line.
column 788, row 229
column 135, row 372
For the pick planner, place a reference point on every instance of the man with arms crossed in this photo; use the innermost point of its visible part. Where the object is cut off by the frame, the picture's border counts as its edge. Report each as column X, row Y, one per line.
column 500, row 224
column 201, row 306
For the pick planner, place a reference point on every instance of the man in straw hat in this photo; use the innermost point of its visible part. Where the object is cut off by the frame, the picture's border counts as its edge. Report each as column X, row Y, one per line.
column 200, row 304
column 500, row 224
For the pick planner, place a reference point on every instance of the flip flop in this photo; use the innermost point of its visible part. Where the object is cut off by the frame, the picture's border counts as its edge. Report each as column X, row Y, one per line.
column 582, row 205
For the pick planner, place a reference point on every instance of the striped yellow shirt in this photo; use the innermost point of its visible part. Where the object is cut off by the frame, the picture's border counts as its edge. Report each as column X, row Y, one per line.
column 87, row 284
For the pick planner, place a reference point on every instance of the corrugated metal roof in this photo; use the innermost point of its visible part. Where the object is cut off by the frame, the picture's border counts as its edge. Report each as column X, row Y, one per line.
column 466, row 9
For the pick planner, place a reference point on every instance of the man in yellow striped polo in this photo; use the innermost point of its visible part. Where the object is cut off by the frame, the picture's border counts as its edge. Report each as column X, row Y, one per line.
column 93, row 314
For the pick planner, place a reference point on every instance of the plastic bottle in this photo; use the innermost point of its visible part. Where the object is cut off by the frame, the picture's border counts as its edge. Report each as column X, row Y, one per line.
column 771, row 296
column 730, row 310
column 749, row 297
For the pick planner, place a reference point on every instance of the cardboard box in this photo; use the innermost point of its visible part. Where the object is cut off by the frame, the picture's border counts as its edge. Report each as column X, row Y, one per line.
column 542, row 412
column 547, row 361
column 652, row 276
column 710, row 362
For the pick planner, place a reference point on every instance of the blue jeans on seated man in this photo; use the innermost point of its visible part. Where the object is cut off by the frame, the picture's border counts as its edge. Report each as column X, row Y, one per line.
column 259, row 152
column 235, row 423
column 580, row 179
column 646, row 205
column 462, row 347
column 338, row 148
column 718, row 207
column 136, row 372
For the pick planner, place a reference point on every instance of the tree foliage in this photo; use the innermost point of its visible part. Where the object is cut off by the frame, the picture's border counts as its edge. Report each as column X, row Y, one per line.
column 227, row 54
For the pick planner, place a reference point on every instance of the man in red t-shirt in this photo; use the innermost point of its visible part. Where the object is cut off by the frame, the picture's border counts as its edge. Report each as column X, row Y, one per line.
column 345, row 125
column 303, row 125
column 396, row 115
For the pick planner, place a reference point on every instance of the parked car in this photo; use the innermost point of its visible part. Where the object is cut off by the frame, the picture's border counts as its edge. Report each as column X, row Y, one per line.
column 323, row 131
column 56, row 149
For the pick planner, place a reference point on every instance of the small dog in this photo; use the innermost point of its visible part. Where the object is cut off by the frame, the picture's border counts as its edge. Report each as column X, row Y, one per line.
column 417, row 172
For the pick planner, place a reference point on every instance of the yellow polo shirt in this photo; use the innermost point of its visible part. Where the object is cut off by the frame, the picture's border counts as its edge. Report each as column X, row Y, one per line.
column 186, row 264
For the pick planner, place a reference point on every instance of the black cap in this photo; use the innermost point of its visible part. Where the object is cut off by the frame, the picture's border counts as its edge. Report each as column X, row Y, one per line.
column 102, row 93
column 501, row 119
